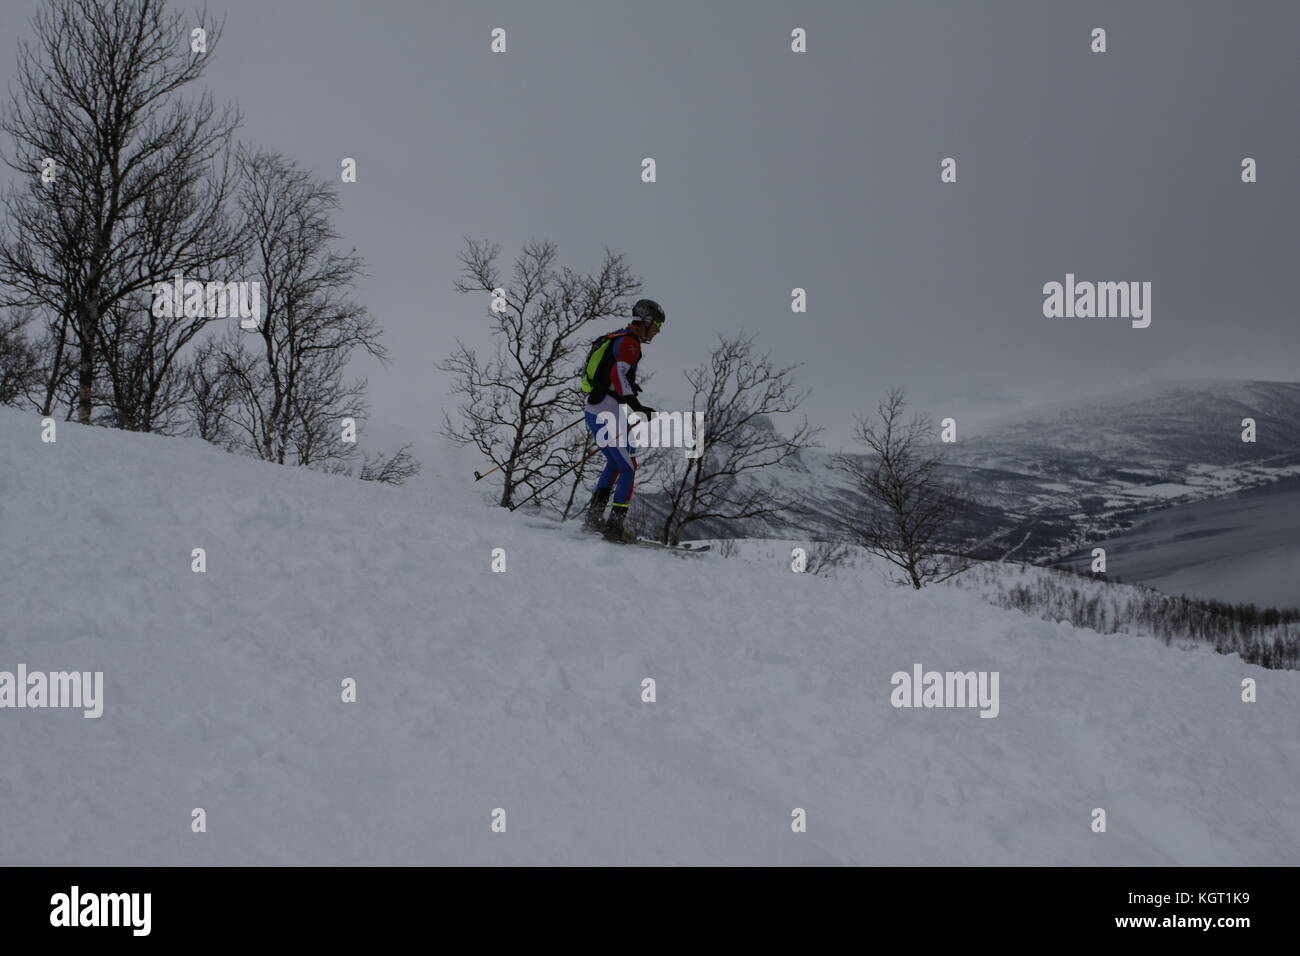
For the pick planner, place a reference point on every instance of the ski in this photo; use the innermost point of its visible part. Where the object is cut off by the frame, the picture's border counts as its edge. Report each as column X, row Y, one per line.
column 677, row 548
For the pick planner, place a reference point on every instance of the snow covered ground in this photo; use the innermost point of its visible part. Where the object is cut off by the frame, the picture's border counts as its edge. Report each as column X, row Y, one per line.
column 523, row 691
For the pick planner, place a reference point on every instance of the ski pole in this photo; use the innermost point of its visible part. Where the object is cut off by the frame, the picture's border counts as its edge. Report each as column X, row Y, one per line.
column 567, row 471
column 478, row 477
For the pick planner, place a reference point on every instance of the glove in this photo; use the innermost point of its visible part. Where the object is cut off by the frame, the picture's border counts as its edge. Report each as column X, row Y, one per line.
column 634, row 403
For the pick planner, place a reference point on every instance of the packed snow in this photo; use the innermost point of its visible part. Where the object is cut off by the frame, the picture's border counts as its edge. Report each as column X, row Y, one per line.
column 523, row 691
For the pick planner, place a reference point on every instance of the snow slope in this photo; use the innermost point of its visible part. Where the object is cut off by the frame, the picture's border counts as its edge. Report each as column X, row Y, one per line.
column 522, row 690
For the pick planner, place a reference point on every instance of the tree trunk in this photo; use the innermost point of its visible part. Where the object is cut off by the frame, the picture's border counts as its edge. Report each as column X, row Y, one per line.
column 512, row 463
column 56, row 372
column 912, row 559
column 573, row 493
column 507, row 489
column 86, row 369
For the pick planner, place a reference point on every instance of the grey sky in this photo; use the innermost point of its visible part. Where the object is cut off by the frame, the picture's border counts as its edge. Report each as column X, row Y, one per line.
column 818, row 170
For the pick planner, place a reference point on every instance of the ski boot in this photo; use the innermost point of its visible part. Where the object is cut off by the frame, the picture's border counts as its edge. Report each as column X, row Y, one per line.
column 596, row 510
column 614, row 525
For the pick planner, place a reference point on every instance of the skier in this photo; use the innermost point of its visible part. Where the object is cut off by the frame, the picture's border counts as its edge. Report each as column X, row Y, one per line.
column 609, row 379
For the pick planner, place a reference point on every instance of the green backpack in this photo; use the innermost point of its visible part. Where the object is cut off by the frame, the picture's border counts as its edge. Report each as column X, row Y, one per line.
column 595, row 373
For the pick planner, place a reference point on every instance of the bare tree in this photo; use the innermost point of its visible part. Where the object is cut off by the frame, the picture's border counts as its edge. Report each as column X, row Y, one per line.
column 141, row 345
column 393, row 469
column 738, row 391
column 146, row 381
column 50, row 383
column 285, row 396
column 907, row 506
column 53, row 389
column 826, row 557
column 579, row 447
column 528, row 388
column 123, row 184
column 210, row 394
column 19, row 359
column 56, row 371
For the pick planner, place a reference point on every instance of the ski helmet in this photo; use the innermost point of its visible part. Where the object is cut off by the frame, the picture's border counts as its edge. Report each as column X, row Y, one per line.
column 648, row 310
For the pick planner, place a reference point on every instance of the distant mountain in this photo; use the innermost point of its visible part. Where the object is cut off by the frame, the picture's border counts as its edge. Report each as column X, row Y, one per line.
column 1044, row 481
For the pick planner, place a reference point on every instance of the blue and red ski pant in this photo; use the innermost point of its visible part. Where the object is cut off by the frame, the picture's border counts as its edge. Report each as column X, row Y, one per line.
column 620, row 466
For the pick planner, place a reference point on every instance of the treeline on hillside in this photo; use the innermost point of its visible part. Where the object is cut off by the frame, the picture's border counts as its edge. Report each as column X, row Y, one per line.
column 157, row 275
column 1269, row 637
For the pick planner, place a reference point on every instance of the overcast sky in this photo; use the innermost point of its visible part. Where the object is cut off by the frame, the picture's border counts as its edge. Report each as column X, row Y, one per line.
column 818, row 170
